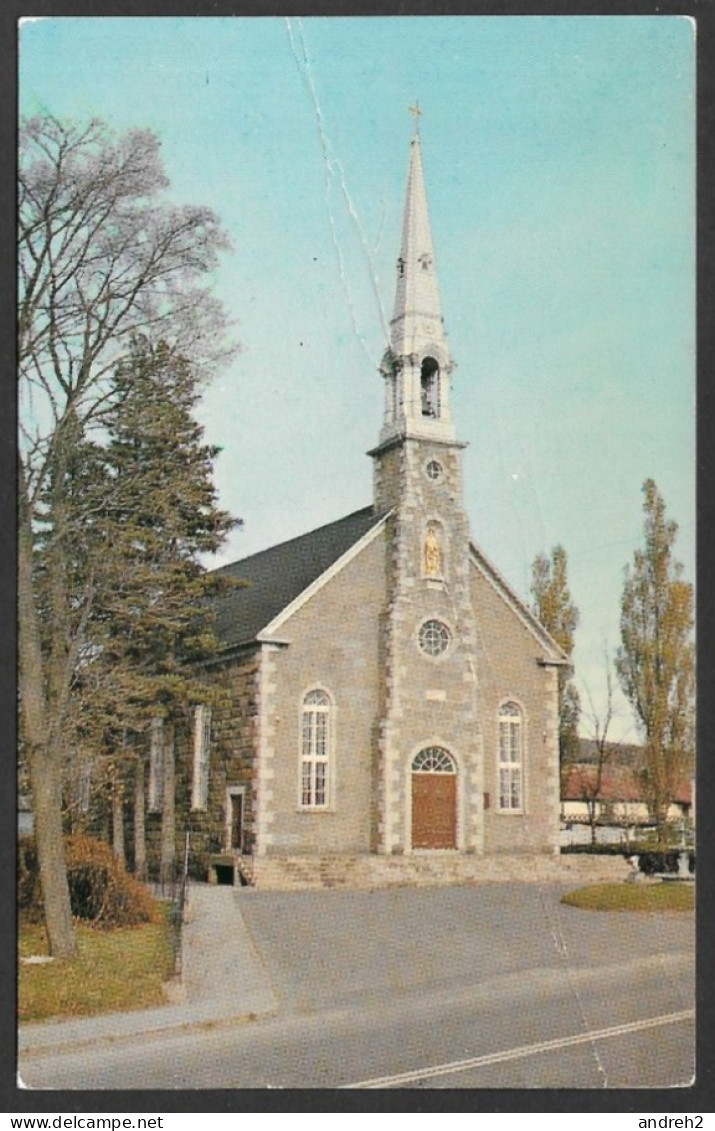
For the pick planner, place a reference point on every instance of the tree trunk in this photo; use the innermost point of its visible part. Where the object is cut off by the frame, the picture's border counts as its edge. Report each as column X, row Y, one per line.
column 43, row 761
column 592, row 816
column 46, row 784
column 139, row 826
column 118, row 818
column 662, row 824
column 168, row 813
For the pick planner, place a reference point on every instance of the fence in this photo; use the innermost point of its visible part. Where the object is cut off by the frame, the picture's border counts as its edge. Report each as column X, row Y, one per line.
column 171, row 888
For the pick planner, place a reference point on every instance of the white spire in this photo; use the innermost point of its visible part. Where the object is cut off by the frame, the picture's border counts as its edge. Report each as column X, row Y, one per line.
column 417, row 291
column 418, row 363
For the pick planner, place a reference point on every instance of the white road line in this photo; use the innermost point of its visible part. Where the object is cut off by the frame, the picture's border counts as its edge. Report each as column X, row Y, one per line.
column 522, row 1050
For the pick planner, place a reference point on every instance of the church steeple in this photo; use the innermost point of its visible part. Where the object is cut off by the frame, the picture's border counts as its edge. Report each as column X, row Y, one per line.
column 430, row 696
column 417, row 365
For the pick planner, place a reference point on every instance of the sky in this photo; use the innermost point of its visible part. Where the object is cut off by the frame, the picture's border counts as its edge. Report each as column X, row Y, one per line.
column 559, row 156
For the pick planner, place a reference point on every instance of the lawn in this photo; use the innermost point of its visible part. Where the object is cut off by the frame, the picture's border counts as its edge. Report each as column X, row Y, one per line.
column 633, row 897
column 118, row 969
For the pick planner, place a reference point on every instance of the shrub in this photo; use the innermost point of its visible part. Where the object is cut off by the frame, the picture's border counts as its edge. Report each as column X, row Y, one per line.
column 653, row 861
column 101, row 892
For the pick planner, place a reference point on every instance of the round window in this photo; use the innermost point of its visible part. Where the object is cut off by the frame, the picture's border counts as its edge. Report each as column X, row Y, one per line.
column 434, row 638
column 434, row 469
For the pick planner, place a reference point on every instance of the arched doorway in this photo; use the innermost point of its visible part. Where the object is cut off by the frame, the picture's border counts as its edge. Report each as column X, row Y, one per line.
column 434, row 799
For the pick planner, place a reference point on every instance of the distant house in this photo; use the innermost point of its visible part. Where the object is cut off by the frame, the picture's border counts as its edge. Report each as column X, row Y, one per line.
column 619, row 809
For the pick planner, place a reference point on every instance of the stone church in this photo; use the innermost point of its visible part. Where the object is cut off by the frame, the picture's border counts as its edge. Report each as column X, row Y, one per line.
column 389, row 709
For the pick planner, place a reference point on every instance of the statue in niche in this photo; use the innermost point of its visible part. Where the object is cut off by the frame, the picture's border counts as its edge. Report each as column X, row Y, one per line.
column 433, row 557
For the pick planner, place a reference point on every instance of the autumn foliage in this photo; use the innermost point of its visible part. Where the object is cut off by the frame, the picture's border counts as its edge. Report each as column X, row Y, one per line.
column 101, row 892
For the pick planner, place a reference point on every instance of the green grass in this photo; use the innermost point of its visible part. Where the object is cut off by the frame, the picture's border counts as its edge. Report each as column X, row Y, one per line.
column 114, row 970
column 633, row 897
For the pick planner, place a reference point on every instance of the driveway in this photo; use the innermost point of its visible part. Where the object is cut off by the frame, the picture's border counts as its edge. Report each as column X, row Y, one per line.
column 339, row 948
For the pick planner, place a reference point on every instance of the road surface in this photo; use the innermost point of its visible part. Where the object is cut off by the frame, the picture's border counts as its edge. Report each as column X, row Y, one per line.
column 490, row 986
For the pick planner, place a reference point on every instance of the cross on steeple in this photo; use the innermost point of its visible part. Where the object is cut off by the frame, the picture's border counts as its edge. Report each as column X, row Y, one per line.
column 417, row 114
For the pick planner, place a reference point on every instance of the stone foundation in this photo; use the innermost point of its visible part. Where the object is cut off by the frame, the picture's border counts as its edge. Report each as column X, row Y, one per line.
column 301, row 873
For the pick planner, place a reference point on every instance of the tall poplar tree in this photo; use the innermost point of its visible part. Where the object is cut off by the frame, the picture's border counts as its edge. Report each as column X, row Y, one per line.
column 656, row 658
column 556, row 611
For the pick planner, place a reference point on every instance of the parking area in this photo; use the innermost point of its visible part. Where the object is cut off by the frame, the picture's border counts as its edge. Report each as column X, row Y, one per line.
column 331, row 948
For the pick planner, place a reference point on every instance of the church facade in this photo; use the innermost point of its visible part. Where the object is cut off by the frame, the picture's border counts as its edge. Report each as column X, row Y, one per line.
column 388, row 702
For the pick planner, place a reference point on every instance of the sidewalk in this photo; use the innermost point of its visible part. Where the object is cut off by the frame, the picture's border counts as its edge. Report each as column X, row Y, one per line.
column 223, row 979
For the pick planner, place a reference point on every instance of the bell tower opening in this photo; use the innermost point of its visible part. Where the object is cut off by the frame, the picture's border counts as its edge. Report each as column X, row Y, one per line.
column 429, row 386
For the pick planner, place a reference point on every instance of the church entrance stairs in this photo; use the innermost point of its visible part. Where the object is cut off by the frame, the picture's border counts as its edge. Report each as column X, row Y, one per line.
column 302, row 873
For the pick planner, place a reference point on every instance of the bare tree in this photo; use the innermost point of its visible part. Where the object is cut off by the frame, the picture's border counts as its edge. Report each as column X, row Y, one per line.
column 103, row 259
column 591, row 784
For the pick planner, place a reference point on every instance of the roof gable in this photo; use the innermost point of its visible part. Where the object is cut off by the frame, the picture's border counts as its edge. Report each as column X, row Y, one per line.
column 553, row 654
column 277, row 577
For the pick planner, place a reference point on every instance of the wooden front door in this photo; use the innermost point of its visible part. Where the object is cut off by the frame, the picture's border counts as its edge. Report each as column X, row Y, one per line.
column 434, row 810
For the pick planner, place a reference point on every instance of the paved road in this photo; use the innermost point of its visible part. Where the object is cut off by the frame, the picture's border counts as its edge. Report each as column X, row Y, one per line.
column 489, row 986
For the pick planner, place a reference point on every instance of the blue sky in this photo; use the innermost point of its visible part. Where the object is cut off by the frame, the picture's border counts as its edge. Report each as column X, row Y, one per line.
column 560, row 163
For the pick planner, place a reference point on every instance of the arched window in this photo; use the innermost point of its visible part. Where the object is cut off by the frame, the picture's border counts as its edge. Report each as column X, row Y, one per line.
column 511, row 759
column 433, row 760
column 429, row 385
column 315, row 750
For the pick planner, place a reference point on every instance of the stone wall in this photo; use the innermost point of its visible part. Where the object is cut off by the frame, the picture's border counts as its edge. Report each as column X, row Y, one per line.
column 332, row 643
column 234, row 728
column 430, row 701
column 508, row 655
column 358, row 872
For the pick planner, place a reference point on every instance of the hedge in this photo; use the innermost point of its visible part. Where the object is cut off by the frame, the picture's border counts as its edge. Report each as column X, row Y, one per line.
column 650, row 860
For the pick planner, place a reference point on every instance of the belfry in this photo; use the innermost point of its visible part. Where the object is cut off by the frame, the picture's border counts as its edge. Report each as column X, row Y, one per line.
column 390, row 707
column 417, row 365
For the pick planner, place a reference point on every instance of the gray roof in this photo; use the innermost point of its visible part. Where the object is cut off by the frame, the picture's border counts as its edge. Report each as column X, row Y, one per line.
column 277, row 576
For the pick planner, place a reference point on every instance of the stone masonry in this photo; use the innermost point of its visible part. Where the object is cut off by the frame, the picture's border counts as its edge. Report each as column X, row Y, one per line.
column 428, row 701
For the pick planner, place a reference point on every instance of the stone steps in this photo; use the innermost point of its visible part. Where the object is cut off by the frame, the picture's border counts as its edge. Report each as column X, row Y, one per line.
column 300, row 873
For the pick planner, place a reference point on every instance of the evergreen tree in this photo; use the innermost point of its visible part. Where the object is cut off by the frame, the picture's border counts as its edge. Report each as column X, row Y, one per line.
column 554, row 608
column 656, row 659
column 161, row 516
column 103, row 256
column 152, row 619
